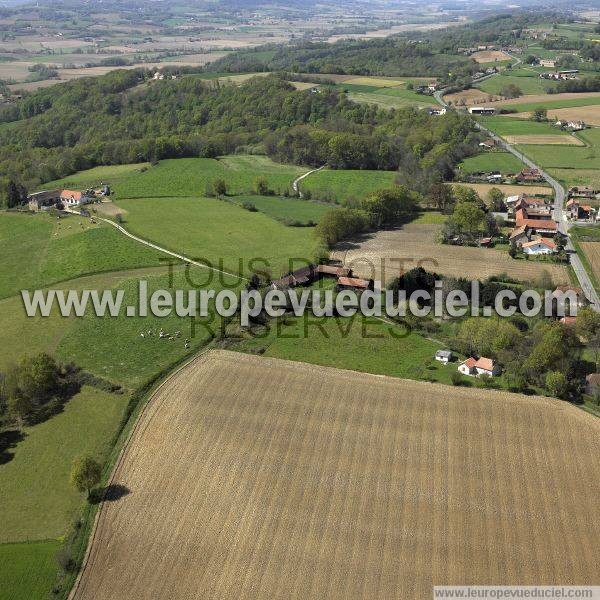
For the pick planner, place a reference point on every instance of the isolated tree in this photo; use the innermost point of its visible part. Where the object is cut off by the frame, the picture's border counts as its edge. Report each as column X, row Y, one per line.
column 540, row 114
column 261, row 186
column 496, row 200
column 390, row 206
column 469, row 219
column 85, row 474
column 13, row 197
column 557, row 384
column 440, row 196
column 511, row 91
column 220, row 187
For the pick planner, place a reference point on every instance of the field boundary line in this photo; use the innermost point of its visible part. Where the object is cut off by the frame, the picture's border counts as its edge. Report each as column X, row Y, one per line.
column 139, row 419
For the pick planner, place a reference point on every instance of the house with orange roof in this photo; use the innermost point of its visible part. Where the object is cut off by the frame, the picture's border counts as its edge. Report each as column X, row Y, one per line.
column 539, row 246
column 74, row 198
column 476, row 367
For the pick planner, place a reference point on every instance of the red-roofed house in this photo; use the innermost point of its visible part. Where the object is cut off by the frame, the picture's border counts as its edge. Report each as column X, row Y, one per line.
column 74, row 198
column 539, row 246
column 482, row 366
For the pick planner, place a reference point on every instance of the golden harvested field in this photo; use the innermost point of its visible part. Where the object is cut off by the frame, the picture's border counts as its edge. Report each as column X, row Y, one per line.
column 588, row 114
column 377, row 81
column 470, row 96
column 255, row 478
column 487, row 56
column 592, row 253
column 386, row 254
column 546, row 140
column 509, row 190
column 547, row 98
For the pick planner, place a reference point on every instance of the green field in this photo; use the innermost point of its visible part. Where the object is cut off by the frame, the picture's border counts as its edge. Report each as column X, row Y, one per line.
column 505, row 162
column 356, row 344
column 185, row 176
column 554, row 104
column 36, row 499
column 387, row 97
column 506, row 126
column 570, row 177
column 287, row 210
column 568, row 157
column 39, row 250
column 528, row 85
column 217, row 231
column 345, row 186
column 27, row 570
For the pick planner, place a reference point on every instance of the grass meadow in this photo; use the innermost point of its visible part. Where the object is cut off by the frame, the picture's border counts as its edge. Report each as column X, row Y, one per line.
column 356, row 343
column 39, row 250
column 37, row 500
column 528, row 85
column 28, row 569
column 506, row 126
column 186, row 176
column 505, row 162
column 288, row 210
column 345, row 186
column 217, row 231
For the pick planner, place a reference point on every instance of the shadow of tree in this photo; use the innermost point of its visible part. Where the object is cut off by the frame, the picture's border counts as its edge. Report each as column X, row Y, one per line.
column 8, row 440
column 110, row 493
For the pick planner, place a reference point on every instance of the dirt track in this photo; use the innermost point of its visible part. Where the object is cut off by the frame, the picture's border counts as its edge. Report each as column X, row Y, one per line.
column 255, row 478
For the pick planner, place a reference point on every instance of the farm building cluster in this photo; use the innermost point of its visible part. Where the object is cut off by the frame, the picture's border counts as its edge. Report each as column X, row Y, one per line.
column 60, row 199
column 311, row 273
column 534, row 227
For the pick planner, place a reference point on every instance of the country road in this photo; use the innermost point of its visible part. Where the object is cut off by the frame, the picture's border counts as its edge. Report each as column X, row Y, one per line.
column 296, row 182
column 559, row 214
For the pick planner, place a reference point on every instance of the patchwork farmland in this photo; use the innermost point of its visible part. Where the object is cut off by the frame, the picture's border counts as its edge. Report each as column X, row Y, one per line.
column 259, row 478
column 377, row 256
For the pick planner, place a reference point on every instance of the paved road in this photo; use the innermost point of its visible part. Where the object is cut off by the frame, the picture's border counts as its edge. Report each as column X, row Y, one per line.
column 559, row 213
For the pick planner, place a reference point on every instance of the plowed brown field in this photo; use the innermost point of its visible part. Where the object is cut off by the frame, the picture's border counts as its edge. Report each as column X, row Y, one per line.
column 255, row 478
column 386, row 254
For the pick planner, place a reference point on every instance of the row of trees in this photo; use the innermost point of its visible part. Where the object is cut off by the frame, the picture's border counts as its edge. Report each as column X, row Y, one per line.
column 386, row 207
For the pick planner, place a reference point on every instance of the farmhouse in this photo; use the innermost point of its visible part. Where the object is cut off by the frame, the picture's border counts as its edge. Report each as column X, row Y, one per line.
column 578, row 211
column 353, row 283
column 583, row 191
column 43, row 200
column 488, row 144
column 592, row 383
column 436, row 111
column 520, row 235
column 74, row 198
column 482, row 110
column 548, row 62
column 529, row 175
column 539, row 246
column 477, row 367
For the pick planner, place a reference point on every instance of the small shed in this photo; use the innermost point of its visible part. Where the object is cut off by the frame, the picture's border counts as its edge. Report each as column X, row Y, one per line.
column 444, row 356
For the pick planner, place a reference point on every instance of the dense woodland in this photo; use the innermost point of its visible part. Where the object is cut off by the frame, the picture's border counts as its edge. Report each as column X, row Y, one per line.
column 122, row 118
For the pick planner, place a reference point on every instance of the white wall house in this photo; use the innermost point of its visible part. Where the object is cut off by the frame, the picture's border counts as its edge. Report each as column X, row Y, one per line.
column 541, row 246
column 72, row 198
column 478, row 367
